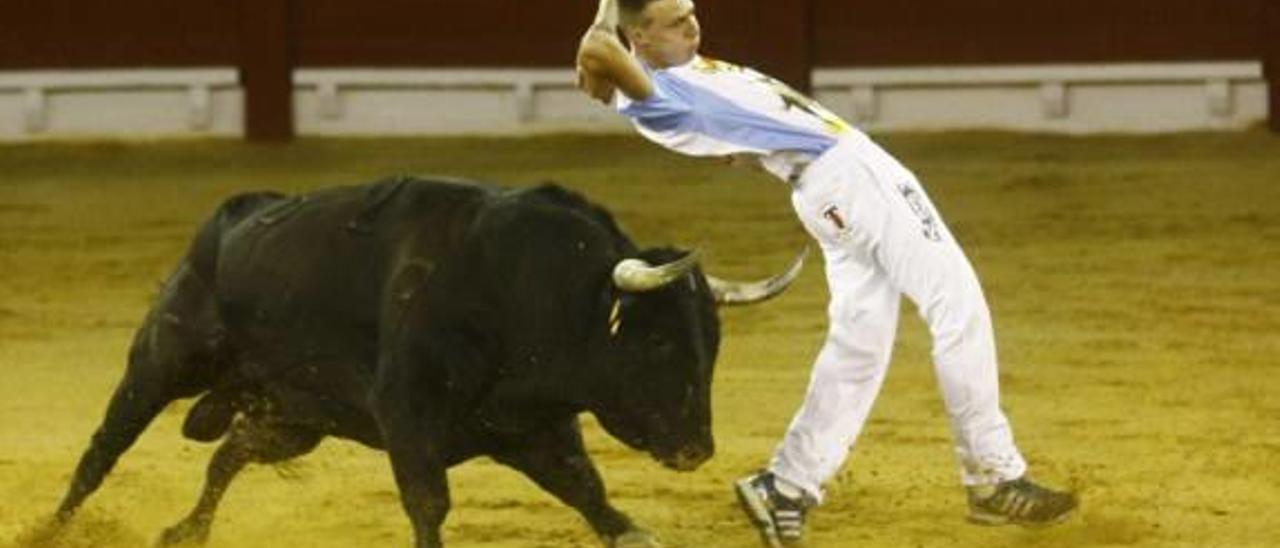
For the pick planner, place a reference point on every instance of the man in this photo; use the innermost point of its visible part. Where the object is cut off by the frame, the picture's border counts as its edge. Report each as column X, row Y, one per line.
column 880, row 236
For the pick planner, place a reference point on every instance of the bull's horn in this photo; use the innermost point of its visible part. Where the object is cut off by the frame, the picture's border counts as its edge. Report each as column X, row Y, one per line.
column 731, row 293
column 637, row 275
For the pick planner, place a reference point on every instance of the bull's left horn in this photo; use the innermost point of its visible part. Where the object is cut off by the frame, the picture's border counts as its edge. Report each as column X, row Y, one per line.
column 638, row 276
column 731, row 293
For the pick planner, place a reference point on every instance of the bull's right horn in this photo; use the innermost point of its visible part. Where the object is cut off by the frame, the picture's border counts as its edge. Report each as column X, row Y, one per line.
column 638, row 276
column 731, row 293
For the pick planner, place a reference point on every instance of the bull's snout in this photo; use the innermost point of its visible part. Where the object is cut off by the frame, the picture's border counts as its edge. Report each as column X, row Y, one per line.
column 690, row 457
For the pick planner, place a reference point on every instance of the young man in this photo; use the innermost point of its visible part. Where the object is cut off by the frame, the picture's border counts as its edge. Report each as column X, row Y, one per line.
column 880, row 236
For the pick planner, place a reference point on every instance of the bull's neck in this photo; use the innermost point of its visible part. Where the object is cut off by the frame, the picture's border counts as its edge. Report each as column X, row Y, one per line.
column 541, row 375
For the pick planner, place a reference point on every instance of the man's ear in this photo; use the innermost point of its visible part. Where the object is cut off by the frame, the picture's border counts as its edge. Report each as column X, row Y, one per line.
column 634, row 35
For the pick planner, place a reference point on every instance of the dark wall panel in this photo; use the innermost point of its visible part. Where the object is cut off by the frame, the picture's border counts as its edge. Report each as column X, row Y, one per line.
column 119, row 33
column 730, row 29
column 773, row 37
column 36, row 34
column 537, row 33
column 957, row 32
column 266, row 38
column 443, row 33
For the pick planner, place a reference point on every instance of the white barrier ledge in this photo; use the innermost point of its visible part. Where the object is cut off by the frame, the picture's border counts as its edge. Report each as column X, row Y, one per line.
column 1059, row 90
column 1028, row 74
column 119, row 79
column 1132, row 97
column 523, row 83
column 198, row 84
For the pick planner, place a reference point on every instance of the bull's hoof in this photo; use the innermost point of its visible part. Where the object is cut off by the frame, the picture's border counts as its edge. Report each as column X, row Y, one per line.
column 635, row 538
column 186, row 533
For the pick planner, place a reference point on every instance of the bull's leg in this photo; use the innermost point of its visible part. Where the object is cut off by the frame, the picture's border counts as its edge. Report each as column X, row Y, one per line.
column 251, row 441
column 173, row 356
column 557, row 461
column 406, row 404
column 424, row 491
column 135, row 403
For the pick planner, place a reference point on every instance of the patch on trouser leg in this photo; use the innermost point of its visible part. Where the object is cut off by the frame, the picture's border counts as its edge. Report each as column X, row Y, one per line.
column 836, row 218
column 928, row 220
column 832, row 214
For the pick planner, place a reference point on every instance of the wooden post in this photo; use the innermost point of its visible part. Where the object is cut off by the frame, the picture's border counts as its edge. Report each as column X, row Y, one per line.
column 1271, row 60
column 266, row 69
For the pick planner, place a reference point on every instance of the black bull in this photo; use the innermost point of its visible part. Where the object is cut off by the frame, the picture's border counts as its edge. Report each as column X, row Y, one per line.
column 437, row 320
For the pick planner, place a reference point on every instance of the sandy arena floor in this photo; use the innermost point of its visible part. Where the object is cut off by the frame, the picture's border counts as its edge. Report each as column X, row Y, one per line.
column 1135, row 283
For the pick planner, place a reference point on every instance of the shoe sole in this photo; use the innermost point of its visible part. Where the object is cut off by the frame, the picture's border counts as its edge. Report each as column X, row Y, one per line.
column 756, row 512
column 997, row 520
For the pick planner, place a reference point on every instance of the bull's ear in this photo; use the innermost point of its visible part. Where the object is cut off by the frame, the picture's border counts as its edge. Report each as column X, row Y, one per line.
column 615, row 317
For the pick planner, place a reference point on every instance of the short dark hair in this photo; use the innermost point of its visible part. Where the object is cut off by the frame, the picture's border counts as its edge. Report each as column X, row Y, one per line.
column 630, row 10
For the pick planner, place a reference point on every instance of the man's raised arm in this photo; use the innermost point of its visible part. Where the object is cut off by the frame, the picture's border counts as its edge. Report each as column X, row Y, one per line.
column 604, row 64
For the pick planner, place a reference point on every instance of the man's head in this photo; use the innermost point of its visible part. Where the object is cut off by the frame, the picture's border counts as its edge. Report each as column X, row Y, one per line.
column 664, row 32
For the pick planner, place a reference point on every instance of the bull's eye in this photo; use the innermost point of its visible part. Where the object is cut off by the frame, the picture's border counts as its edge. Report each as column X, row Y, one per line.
column 660, row 345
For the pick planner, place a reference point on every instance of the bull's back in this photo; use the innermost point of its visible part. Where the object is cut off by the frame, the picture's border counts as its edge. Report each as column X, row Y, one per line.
column 300, row 282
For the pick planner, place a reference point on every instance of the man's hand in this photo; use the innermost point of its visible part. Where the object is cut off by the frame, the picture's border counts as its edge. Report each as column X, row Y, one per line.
column 604, row 66
column 598, row 88
column 594, row 52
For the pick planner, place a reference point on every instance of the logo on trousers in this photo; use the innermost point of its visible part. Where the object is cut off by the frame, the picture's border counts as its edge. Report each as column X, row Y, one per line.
column 928, row 221
column 832, row 213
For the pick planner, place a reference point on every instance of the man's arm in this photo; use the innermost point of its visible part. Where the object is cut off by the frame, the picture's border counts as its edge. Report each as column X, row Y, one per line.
column 604, row 65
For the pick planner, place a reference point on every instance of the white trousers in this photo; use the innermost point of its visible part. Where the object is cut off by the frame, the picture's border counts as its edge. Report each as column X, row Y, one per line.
column 881, row 238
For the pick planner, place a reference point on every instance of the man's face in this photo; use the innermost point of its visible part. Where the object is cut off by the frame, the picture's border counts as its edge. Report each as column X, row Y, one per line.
column 667, row 33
